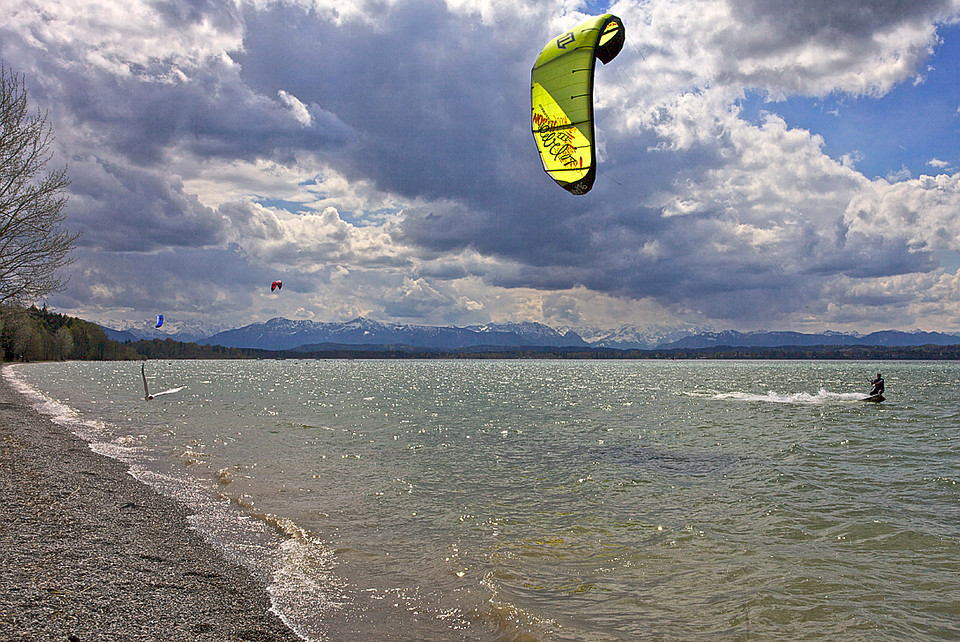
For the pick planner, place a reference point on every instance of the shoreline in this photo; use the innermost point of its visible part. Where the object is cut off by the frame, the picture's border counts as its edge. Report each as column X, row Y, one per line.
column 87, row 552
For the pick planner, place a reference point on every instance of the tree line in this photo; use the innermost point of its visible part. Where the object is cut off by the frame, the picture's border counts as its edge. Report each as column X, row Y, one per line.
column 37, row 334
column 34, row 334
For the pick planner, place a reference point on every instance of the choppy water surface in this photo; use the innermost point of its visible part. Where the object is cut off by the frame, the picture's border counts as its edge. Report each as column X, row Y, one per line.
column 556, row 500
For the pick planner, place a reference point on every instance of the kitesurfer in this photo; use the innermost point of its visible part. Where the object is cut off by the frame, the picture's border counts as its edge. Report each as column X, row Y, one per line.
column 877, row 385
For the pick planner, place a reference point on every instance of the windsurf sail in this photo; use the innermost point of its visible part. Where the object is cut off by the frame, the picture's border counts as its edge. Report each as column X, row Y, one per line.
column 146, row 390
column 143, row 375
column 561, row 96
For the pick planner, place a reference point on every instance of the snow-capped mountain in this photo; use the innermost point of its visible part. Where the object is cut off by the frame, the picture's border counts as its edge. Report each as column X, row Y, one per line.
column 536, row 333
column 634, row 337
column 186, row 330
column 284, row 334
column 287, row 334
column 733, row 338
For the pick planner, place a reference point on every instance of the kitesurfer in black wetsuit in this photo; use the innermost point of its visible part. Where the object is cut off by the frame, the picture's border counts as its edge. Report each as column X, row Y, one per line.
column 877, row 385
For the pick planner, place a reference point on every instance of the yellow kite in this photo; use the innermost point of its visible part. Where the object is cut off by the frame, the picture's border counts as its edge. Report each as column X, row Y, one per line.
column 561, row 96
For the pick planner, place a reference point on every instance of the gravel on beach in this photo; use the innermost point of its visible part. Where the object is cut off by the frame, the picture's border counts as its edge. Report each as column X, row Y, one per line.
column 87, row 552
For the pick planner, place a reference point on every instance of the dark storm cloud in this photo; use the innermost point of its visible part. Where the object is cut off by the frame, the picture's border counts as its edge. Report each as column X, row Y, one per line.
column 221, row 14
column 439, row 112
column 163, row 102
column 874, row 256
column 848, row 35
column 527, row 218
column 788, row 22
column 211, row 115
column 121, row 132
column 191, row 281
column 118, row 207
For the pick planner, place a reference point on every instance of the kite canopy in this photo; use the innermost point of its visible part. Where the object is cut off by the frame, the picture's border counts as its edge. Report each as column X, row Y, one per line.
column 276, row 285
column 561, row 96
column 159, row 320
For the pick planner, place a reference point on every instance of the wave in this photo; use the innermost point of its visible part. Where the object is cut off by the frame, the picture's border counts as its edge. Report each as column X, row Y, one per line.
column 772, row 396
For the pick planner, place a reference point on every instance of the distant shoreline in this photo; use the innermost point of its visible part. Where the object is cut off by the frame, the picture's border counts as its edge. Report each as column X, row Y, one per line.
column 169, row 349
column 56, row 337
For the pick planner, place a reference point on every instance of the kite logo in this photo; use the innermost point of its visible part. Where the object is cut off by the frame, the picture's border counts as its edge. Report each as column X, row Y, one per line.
column 565, row 39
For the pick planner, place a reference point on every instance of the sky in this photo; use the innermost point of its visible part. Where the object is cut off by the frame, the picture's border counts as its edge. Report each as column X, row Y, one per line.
column 764, row 164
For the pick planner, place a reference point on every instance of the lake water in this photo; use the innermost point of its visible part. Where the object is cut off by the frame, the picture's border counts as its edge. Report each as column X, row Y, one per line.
column 554, row 500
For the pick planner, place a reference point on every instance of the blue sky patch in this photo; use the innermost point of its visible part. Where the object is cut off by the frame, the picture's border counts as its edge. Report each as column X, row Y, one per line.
column 906, row 129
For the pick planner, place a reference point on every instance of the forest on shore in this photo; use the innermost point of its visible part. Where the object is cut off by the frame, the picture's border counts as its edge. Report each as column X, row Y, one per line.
column 37, row 334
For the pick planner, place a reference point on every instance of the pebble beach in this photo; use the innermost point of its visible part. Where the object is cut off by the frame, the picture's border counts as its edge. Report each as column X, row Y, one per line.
column 89, row 553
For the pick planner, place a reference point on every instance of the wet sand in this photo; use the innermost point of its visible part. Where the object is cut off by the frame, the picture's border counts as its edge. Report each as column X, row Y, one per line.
column 89, row 553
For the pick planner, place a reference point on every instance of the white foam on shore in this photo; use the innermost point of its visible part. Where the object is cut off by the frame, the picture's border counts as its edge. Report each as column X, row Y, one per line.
column 100, row 436
column 303, row 581
column 296, row 568
column 57, row 412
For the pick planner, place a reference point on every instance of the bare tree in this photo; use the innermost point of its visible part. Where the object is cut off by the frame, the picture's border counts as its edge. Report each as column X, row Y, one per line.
column 33, row 244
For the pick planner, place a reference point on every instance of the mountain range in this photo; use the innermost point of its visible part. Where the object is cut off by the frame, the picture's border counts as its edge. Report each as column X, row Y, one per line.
column 187, row 331
column 776, row 339
column 286, row 334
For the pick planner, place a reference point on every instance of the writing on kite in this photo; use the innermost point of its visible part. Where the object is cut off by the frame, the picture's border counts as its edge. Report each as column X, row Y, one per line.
column 557, row 138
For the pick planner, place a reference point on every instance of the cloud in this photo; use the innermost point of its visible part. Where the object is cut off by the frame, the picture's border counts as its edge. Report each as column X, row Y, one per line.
column 812, row 48
column 181, row 282
column 922, row 212
column 440, row 121
column 377, row 156
column 297, row 108
column 147, row 210
column 312, row 239
column 927, row 301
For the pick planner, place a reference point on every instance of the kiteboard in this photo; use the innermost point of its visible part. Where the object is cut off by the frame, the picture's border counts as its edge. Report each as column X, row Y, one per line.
column 874, row 398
